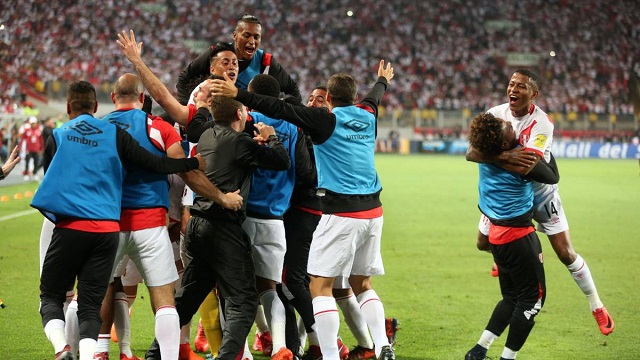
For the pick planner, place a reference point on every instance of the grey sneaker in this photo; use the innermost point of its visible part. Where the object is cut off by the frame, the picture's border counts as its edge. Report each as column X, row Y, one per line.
column 387, row 353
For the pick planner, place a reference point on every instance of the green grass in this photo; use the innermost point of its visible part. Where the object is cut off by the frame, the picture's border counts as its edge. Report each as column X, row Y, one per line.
column 437, row 283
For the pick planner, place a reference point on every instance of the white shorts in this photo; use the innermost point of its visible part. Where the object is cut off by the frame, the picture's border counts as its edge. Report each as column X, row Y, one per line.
column 130, row 276
column 343, row 246
column 549, row 214
column 268, row 245
column 187, row 196
column 151, row 252
column 176, row 192
column 45, row 239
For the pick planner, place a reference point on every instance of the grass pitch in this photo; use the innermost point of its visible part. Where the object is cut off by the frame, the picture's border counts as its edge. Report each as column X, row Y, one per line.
column 437, row 284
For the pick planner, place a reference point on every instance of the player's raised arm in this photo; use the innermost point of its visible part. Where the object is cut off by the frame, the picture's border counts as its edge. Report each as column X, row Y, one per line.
column 158, row 91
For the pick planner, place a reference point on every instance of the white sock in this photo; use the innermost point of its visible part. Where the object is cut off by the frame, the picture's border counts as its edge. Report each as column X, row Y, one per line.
column 247, row 353
column 276, row 318
column 302, row 334
column 325, row 312
column 185, row 333
column 71, row 326
column 168, row 332
column 67, row 300
column 122, row 323
column 313, row 337
column 582, row 276
column 87, row 348
column 487, row 338
column 54, row 329
column 373, row 314
column 104, row 343
column 261, row 320
column 508, row 353
column 353, row 317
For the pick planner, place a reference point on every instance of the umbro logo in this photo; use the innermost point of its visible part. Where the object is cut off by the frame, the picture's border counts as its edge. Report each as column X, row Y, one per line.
column 121, row 125
column 85, row 129
column 356, row 125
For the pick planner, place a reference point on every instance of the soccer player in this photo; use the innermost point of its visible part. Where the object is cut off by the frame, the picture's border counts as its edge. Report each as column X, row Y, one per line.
column 268, row 200
column 31, row 140
column 506, row 198
column 90, row 155
column 351, row 223
column 534, row 131
column 247, row 38
column 143, row 223
column 218, row 247
column 222, row 61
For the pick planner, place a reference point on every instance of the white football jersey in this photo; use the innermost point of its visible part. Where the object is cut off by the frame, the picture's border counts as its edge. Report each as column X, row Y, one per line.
column 534, row 132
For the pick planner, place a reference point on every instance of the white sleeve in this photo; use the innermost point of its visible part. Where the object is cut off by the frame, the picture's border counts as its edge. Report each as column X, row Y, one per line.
column 541, row 137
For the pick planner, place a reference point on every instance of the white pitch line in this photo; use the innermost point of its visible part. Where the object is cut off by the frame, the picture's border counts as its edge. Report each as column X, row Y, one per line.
column 18, row 214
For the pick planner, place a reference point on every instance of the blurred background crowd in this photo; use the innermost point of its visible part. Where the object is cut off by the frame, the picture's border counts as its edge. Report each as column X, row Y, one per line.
column 448, row 56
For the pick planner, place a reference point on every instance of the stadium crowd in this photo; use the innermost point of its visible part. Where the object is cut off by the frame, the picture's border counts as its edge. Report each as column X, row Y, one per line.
column 448, row 55
column 452, row 57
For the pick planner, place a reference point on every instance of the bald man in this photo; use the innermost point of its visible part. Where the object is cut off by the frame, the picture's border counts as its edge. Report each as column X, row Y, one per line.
column 143, row 221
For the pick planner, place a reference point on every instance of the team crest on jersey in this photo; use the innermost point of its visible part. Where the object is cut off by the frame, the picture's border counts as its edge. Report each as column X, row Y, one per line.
column 540, row 141
column 85, row 129
column 356, row 125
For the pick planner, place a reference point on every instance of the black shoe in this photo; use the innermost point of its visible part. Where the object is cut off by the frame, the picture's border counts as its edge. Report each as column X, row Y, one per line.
column 387, row 353
column 477, row 353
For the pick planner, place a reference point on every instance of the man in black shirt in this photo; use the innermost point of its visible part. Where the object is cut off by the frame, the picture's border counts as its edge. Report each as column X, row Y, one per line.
column 219, row 248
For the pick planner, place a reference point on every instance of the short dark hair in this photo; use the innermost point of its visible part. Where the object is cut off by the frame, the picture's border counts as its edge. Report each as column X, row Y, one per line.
column 223, row 110
column 248, row 18
column 218, row 47
column 533, row 77
column 342, row 88
column 486, row 134
column 81, row 97
column 265, row 84
column 320, row 87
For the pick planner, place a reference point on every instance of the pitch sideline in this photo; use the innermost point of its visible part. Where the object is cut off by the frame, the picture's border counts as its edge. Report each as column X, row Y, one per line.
column 18, row 214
